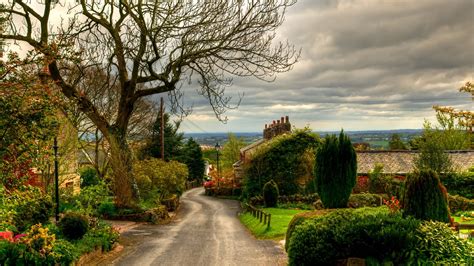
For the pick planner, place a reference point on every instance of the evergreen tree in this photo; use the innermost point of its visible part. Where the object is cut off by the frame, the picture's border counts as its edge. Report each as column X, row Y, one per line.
column 194, row 160
column 425, row 197
column 335, row 171
column 173, row 140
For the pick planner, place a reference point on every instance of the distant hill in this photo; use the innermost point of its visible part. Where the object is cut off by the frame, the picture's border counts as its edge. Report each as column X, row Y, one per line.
column 378, row 139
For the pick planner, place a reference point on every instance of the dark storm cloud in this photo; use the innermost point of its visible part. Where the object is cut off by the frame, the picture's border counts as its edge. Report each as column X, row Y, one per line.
column 368, row 61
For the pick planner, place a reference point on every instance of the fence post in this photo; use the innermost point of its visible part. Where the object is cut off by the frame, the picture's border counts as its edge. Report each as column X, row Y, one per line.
column 265, row 219
column 261, row 214
column 269, row 219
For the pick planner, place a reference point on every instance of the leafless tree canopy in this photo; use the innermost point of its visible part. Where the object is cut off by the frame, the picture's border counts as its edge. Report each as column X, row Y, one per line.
column 160, row 43
column 150, row 47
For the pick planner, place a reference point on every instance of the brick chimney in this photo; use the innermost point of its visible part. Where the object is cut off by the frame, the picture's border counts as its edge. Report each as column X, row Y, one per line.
column 277, row 127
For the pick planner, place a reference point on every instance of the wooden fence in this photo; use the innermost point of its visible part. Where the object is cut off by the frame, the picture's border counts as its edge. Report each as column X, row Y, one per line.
column 259, row 214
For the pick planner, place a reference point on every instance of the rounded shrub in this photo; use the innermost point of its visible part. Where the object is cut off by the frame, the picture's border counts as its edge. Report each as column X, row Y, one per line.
column 424, row 198
column 335, row 170
column 270, row 194
column 73, row 225
column 299, row 219
column 363, row 233
column 89, row 177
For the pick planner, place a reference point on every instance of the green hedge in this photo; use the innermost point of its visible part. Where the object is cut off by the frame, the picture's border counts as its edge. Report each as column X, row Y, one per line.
column 461, row 184
column 375, row 234
column 458, row 203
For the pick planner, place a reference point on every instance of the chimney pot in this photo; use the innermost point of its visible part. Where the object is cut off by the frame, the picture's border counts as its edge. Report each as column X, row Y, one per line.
column 282, row 119
column 265, row 126
column 287, row 119
column 278, row 122
column 274, row 122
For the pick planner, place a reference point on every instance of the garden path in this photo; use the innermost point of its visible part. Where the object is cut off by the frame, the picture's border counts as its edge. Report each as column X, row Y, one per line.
column 206, row 231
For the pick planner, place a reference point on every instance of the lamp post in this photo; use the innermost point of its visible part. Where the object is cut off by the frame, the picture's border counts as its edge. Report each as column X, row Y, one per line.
column 56, row 178
column 218, row 170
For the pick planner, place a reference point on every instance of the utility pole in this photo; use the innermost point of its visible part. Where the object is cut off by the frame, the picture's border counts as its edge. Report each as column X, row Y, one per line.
column 162, row 131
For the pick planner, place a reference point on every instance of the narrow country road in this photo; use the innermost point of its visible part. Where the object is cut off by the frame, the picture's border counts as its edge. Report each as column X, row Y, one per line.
column 206, row 231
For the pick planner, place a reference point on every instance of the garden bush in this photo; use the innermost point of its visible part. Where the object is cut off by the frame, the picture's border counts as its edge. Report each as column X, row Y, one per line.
column 28, row 206
column 73, row 225
column 156, row 177
column 88, row 200
column 270, row 194
column 424, row 197
column 107, row 209
column 361, row 233
column 376, row 182
column 299, row 219
column 287, row 159
column 365, row 200
column 436, row 243
column 335, row 170
column 458, row 203
column 89, row 177
column 461, row 184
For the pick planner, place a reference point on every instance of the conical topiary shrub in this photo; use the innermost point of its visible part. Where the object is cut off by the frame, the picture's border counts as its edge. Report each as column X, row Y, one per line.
column 335, row 171
column 424, row 198
column 270, row 193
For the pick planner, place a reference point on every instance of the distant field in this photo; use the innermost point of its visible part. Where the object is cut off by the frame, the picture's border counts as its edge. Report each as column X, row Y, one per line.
column 378, row 144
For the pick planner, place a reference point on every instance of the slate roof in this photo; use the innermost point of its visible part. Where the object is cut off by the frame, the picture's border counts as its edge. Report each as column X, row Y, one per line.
column 401, row 161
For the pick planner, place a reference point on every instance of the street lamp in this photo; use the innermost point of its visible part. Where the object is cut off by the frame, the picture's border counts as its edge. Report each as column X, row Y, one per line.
column 56, row 177
column 218, row 172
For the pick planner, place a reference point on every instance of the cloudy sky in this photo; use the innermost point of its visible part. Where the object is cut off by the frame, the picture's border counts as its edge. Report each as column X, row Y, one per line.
column 367, row 64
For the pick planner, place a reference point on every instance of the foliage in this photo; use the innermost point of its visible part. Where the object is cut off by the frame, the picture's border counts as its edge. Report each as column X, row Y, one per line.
column 424, row 197
column 73, row 225
column 436, row 243
column 231, row 150
column 299, row 219
column 376, row 179
column 172, row 138
column 458, row 203
column 27, row 122
column 107, row 209
column 360, row 233
column 25, row 207
column 432, row 155
column 287, row 159
column 270, row 194
column 396, row 143
column 461, row 184
column 335, row 170
column 458, row 122
column 157, row 176
column 88, row 200
column 89, row 177
column 194, row 160
column 364, row 200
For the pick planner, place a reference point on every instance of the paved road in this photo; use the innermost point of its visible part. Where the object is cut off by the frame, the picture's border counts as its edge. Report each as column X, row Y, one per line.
column 206, row 231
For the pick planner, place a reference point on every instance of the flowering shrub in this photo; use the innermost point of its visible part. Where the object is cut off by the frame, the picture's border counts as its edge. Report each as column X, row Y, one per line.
column 39, row 239
column 362, row 184
column 393, row 204
column 208, row 184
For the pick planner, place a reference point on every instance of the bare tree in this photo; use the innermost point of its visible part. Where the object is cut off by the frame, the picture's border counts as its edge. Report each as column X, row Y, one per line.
column 156, row 44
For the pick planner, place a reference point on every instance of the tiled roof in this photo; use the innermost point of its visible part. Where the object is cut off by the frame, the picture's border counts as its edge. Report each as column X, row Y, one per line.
column 402, row 161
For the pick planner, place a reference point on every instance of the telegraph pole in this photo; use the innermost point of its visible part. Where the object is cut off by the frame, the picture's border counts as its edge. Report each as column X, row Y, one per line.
column 162, row 131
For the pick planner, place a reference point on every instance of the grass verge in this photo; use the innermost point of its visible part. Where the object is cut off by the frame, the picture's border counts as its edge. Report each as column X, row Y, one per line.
column 278, row 226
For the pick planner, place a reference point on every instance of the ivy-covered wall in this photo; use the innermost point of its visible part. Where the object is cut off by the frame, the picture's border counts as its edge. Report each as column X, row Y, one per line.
column 287, row 159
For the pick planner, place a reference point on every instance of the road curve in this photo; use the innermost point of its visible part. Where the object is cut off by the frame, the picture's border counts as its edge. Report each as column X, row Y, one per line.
column 206, row 231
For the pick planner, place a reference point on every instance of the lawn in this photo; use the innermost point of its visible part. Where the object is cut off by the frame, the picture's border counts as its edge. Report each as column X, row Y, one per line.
column 279, row 223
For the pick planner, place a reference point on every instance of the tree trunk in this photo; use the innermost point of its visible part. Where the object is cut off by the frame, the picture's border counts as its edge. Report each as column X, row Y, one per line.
column 124, row 184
